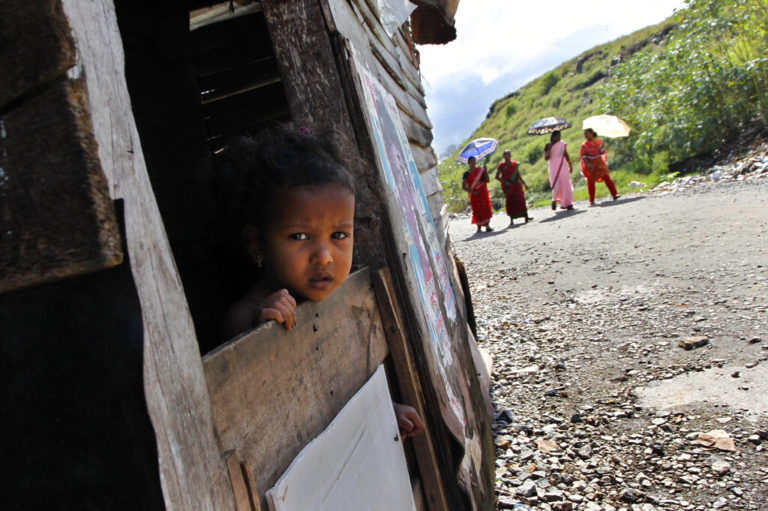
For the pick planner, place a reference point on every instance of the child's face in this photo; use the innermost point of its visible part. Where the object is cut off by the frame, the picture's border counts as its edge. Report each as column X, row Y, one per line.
column 307, row 247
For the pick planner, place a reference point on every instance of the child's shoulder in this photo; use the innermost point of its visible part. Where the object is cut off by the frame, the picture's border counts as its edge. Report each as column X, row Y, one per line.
column 240, row 315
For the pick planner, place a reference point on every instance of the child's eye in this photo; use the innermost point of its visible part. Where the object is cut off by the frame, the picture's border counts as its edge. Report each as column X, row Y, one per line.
column 299, row 236
column 338, row 235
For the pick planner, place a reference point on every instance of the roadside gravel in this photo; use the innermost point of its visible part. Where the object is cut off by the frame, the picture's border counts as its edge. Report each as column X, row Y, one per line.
column 585, row 313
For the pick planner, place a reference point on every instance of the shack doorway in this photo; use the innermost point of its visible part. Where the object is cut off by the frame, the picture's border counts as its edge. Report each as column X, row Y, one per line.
column 199, row 75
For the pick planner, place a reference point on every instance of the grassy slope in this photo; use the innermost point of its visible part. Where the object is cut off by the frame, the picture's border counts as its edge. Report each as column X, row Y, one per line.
column 564, row 92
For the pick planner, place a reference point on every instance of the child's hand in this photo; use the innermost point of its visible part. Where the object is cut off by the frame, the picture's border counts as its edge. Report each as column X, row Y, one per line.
column 279, row 306
column 408, row 420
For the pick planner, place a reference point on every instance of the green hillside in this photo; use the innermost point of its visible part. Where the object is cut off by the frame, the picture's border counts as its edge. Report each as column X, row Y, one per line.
column 680, row 100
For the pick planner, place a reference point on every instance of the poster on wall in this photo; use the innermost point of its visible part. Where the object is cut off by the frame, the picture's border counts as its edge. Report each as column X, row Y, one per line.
column 427, row 263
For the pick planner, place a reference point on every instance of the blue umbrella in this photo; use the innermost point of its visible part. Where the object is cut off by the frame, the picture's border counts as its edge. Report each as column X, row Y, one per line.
column 478, row 148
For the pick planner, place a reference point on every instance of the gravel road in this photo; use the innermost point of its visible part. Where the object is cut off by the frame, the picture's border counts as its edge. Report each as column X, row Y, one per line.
column 599, row 407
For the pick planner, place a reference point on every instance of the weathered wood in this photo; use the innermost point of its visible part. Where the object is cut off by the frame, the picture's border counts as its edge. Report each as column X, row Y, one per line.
column 417, row 133
column 304, row 54
column 273, row 390
column 405, row 102
column 410, row 388
column 56, row 215
column 392, row 66
column 424, row 157
column 250, row 481
column 192, row 470
column 239, row 484
column 430, row 182
column 36, row 46
column 380, row 41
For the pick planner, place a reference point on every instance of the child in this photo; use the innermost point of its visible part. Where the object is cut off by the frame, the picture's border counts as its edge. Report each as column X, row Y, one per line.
column 295, row 199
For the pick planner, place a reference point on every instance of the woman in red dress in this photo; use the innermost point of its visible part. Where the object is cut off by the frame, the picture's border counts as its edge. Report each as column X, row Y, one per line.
column 593, row 164
column 475, row 182
column 512, row 183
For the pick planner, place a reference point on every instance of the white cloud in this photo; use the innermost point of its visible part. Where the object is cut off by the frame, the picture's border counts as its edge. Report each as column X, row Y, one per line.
column 496, row 37
column 502, row 44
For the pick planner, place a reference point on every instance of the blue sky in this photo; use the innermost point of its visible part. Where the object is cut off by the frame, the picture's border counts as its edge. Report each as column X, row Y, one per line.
column 503, row 44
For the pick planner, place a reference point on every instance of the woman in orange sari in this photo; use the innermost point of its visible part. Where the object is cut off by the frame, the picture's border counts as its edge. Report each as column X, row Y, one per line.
column 475, row 182
column 593, row 164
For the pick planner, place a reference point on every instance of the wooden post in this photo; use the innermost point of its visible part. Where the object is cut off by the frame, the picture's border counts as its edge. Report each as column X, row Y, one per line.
column 410, row 386
column 193, row 472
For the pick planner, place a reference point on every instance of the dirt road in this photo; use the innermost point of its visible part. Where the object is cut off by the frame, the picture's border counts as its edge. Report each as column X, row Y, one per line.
column 598, row 405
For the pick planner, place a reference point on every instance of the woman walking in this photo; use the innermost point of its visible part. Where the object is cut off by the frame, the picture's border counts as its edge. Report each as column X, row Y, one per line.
column 557, row 155
column 475, row 182
column 512, row 183
column 593, row 164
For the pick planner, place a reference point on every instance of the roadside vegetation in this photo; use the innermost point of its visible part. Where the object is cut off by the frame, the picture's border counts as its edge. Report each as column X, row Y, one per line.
column 686, row 86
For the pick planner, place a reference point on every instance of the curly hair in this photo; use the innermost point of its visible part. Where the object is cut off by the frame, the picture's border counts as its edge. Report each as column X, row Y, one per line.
column 254, row 170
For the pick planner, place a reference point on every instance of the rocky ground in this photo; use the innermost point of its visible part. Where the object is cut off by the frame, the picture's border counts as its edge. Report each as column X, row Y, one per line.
column 630, row 346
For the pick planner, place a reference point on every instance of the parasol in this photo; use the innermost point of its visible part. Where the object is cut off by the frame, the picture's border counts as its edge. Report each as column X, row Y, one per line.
column 607, row 126
column 478, row 148
column 548, row 125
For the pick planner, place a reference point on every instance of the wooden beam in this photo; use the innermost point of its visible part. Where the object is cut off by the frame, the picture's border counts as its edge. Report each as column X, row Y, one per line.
column 307, row 65
column 56, row 215
column 192, row 469
column 410, row 387
column 37, row 46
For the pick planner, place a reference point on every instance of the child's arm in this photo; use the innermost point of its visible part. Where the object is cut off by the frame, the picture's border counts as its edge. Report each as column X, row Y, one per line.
column 408, row 420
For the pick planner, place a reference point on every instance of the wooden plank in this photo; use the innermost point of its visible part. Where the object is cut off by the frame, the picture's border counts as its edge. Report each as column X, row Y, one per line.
column 380, row 39
column 250, row 481
column 304, row 53
column 192, row 471
column 405, row 102
column 410, row 387
column 36, row 47
column 424, row 157
column 430, row 182
column 56, row 215
column 417, row 133
column 239, row 485
column 273, row 390
column 390, row 57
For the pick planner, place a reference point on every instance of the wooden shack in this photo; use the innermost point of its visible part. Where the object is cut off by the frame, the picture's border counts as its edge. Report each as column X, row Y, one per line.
column 114, row 274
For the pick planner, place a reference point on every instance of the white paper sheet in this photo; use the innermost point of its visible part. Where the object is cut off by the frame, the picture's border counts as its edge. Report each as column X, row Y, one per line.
column 356, row 464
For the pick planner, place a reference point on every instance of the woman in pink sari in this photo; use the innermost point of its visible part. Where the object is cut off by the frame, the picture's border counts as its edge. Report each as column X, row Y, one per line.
column 593, row 164
column 475, row 182
column 557, row 155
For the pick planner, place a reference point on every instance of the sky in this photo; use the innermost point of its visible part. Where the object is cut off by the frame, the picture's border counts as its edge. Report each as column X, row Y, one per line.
column 503, row 44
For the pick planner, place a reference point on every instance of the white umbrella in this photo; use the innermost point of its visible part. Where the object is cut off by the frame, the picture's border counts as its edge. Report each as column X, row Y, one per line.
column 607, row 126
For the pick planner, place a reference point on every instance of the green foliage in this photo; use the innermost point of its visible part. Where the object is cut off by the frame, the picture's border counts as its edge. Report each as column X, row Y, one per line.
column 548, row 81
column 510, row 110
column 710, row 81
